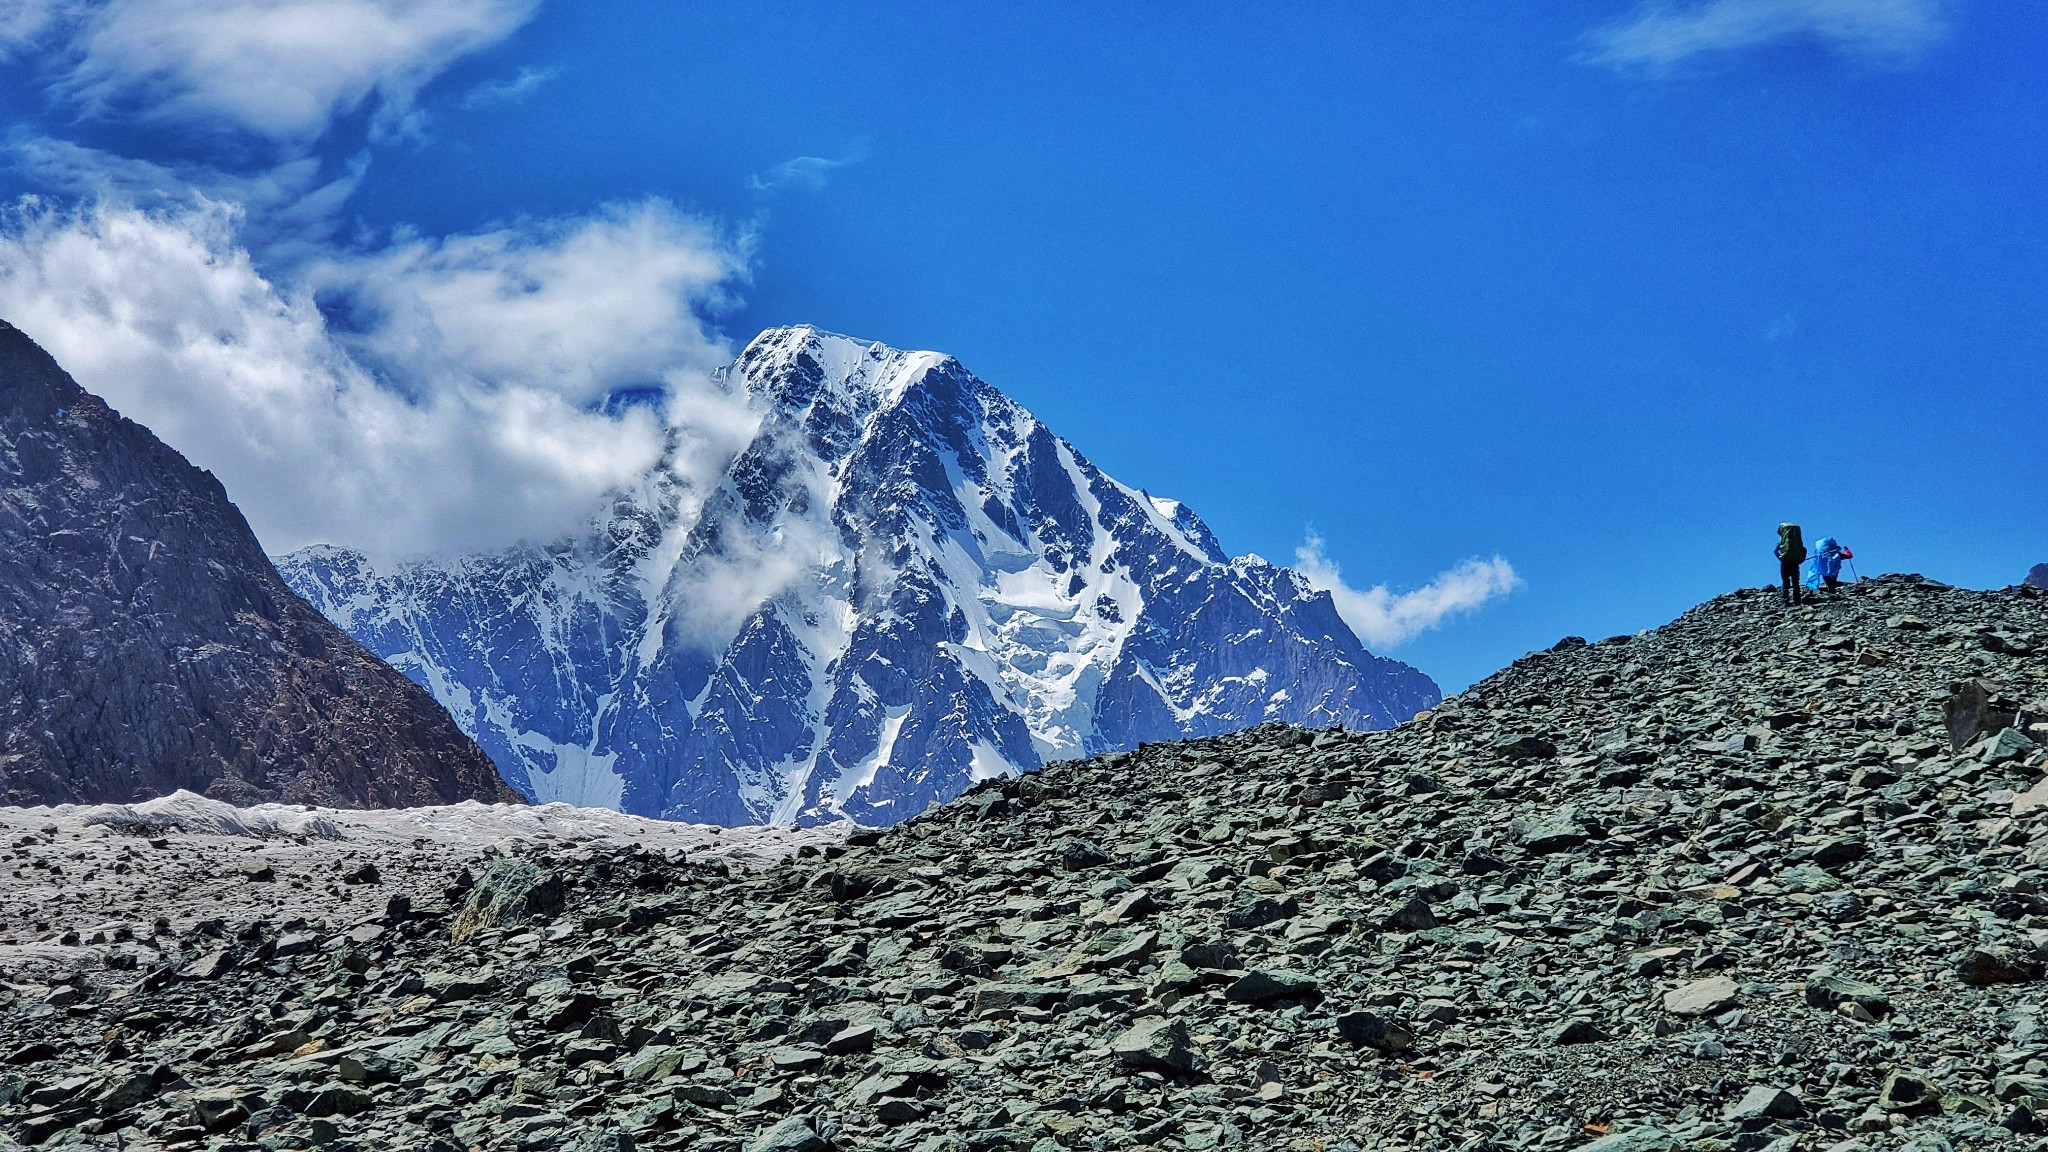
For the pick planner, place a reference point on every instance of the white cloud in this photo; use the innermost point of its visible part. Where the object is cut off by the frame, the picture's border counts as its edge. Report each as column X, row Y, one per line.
column 497, row 93
column 285, row 208
column 24, row 23
column 581, row 306
column 716, row 591
column 409, row 395
column 1664, row 33
column 281, row 69
column 1385, row 619
column 453, row 413
column 810, row 173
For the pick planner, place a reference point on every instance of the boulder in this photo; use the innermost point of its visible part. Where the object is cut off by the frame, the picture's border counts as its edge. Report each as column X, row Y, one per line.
column 1706, row 997
column 1372, row 1030
column 794, row 1134
column 1973, row 711
column 1260, row 986
column 1155, row 1042
column 1765, row 1103
column 510, row 891
column 1830, row 991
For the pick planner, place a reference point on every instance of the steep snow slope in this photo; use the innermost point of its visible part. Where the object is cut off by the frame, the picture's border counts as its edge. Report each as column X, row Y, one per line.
column 903, row 584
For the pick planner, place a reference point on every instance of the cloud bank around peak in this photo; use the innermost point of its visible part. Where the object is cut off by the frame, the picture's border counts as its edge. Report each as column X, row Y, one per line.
column 581, row 306
column 277, row 69
column 1386, row 619
column 400, row 393
column 453, row 411
column 1663, row 34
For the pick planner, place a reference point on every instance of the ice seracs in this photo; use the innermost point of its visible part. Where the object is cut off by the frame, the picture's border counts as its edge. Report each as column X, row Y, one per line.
column 901, row 584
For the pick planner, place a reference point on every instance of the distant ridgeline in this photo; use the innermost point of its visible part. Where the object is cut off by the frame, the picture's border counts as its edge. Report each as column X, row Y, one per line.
column 937, row 590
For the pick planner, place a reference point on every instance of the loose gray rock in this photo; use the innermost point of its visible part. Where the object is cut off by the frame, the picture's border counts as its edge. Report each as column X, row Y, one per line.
column 1261, row 986
column 1703, row 997
column 1371, row 1030
column 1765, row 1103
column 1831, row 991
column 1155, row 1042
column 794, row 1134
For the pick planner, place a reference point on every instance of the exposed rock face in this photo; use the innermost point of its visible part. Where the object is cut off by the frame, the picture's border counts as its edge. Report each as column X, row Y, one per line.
column 148, row 645
column 902, row 585
column 1726, row 885
column 2037, row 577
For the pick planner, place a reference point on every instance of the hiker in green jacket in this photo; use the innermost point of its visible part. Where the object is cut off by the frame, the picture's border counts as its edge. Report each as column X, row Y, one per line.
column 1791, row 554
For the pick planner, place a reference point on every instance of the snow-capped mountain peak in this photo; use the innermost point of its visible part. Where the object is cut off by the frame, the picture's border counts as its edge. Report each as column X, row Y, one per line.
column 901, row 584
column 801, row 367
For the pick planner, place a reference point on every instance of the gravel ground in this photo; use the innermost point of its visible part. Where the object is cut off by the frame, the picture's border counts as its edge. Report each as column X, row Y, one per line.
column 1766, row 879
column 83, row 886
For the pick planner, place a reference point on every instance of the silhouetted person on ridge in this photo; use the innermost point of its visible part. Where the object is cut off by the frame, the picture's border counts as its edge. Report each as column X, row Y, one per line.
column 1791, row 554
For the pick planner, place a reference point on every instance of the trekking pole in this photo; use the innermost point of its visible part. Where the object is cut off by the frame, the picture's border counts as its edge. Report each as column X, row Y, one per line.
column 1853, row 571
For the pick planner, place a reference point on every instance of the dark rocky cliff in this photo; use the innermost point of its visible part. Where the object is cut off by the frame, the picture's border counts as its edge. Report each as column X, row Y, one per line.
column 147, row 644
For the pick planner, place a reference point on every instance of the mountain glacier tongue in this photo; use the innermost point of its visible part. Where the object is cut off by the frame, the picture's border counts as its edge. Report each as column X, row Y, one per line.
column 903, row 584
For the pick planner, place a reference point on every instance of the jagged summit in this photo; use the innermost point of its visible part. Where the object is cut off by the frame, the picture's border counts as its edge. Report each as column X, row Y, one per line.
column 801, row 367
column 901, row 584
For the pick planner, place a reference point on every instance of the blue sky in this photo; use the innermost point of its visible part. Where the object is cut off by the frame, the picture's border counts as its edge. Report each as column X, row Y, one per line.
column 1602, row 288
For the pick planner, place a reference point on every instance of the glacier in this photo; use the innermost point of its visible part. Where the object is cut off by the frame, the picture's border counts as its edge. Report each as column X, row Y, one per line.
column 901, row 584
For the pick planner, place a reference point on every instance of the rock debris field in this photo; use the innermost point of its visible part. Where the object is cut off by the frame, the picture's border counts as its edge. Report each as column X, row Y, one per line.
column 1761, row 879
column 113, row 887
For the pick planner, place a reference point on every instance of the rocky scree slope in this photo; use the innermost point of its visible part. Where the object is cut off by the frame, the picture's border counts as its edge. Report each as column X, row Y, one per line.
column 148, row 645
column 901, row 584
column 1762, row 878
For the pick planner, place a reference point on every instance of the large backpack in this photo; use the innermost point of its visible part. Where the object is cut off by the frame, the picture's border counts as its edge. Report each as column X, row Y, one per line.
column 1791, row 546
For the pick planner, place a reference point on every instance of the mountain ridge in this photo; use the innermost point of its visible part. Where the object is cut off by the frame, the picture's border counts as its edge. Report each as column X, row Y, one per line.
column 933, row 589
column 147, row 644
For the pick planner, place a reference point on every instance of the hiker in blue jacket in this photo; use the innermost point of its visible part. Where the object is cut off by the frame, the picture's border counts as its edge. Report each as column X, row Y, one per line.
column 1827, row 564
